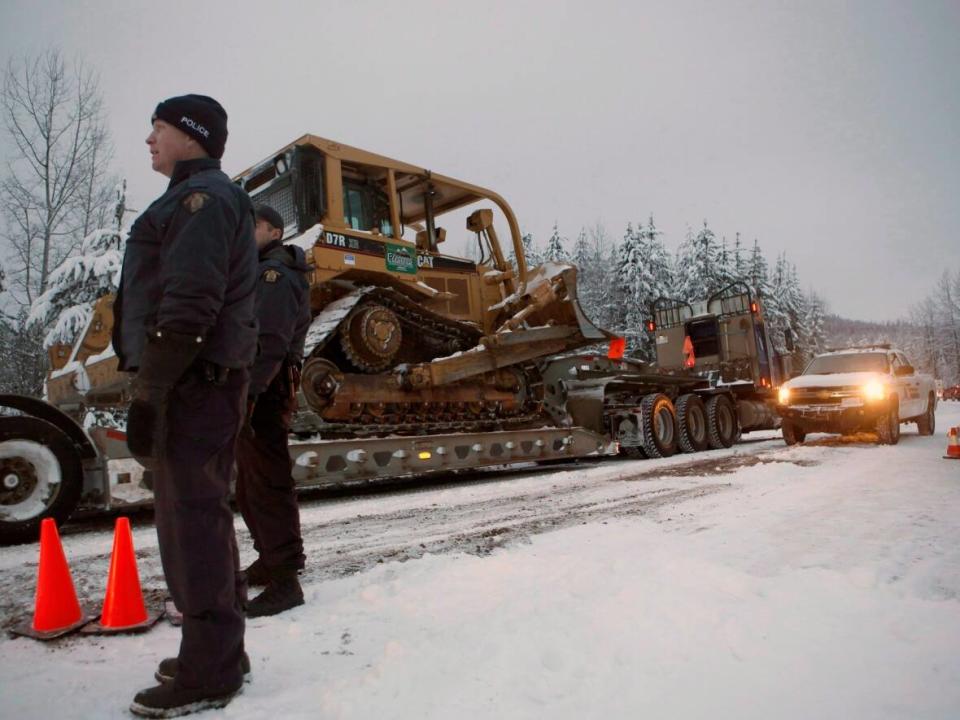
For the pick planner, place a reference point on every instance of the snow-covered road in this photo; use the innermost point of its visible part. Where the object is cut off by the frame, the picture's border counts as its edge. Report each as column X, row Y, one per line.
column 821, row 581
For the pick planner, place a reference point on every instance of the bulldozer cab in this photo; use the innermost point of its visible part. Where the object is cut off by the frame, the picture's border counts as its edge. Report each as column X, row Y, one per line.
column 368, row 219
column 724, row 338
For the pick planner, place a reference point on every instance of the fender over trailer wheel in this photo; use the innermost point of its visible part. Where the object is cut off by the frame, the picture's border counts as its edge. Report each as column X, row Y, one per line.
column 691, row 423
column 40, row 476
column 722, row 424
column 658, row 426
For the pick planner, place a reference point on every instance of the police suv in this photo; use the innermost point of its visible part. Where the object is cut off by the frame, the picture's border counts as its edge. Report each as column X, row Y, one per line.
column 872, row 389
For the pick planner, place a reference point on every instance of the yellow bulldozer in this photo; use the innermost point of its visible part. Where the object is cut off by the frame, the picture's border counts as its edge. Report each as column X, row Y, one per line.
column 407, row 338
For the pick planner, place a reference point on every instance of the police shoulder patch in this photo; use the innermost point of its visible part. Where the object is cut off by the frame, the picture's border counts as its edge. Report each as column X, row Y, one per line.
column 271, row 276
column 195, row 201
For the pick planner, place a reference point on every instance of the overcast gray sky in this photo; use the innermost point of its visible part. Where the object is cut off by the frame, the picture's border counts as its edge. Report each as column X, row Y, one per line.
column 829, row 130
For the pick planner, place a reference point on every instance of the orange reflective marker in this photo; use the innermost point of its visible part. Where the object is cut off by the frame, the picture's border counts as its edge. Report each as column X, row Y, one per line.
column 618, row 346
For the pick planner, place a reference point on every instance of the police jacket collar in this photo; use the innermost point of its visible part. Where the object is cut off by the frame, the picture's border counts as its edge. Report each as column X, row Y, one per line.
column 290, row 255
column 185, row 168
column 270, row 247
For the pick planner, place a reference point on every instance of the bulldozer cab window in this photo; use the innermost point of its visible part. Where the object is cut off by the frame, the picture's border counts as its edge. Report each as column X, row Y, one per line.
column 366, row 207
column 705, row 336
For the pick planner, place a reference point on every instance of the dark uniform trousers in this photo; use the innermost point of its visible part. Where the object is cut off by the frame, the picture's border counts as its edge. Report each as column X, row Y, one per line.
column 194, row 521
column 265, row 487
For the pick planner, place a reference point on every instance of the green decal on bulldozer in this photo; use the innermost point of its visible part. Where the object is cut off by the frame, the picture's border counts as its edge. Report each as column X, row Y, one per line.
column 401, row 259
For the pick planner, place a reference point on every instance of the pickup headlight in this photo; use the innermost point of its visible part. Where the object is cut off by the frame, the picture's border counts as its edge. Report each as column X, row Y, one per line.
column 784, row 396
column 875, row 390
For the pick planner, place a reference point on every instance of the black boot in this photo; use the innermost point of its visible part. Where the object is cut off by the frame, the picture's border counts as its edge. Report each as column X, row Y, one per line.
column 283, row 592
column 168, row 668
column 166, row 700
column 257, row 574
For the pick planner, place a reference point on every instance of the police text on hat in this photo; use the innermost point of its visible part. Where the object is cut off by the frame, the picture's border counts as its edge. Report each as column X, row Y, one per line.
column 199, row 116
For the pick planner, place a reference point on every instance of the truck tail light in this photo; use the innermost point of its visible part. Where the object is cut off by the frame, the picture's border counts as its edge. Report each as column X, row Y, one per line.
column 618, row 346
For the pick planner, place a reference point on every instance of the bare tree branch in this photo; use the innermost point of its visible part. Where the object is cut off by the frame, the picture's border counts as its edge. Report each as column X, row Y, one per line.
column 57, row 185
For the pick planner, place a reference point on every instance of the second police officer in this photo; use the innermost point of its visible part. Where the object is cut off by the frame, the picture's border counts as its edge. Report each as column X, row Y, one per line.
column 265, row 487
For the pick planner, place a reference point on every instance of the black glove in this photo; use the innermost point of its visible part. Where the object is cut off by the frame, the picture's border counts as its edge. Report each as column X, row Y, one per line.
column 166, row 357
column 247, row 428
column 147, row 429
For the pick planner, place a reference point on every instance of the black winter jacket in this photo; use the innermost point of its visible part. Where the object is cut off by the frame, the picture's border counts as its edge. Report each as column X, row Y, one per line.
column 283, row 311
column 191, row 266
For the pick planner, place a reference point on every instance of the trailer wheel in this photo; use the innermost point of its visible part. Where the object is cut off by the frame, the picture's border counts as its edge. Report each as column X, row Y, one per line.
column 791, row 433
column 722, row 426
column 40, row 477
column 888, row 425
column 632, row 451
column 691, row 423
column 658, row 419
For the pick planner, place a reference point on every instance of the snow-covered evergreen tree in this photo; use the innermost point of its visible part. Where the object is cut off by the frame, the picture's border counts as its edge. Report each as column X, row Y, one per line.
column 816, row 340
column 795, row 305
column 724, row 263
column 609, row 310
column 582, row 258
column 738, row 262
column 64, row 309
column 697, row 269
column 757, row 272
column 776, row 305
column 530, row 252
column 659, row 263
column 555, row 251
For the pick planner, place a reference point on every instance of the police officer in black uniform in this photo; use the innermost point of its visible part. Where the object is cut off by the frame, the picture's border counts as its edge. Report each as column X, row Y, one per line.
column 185, row 324
column 265, row 487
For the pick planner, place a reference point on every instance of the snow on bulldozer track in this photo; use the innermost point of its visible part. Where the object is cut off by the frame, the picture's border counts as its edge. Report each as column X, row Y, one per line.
column 821, row 580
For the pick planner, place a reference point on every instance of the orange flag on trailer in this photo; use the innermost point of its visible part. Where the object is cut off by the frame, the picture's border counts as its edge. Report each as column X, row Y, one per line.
column 689, row 359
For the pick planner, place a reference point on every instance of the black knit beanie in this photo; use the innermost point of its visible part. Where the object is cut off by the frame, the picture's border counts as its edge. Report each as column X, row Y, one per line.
column 200, row 117
column 265, row 212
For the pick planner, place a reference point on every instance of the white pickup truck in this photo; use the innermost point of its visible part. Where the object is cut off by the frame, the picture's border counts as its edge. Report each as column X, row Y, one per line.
column 872, row 389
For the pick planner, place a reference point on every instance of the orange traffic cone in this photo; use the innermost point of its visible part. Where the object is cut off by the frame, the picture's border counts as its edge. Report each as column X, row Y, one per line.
column 953, row 444
column 56, row 608
column 123, row 606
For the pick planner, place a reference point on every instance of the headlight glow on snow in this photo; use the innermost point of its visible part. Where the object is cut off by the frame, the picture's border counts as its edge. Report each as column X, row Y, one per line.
column 784, row 395
column 875, row 390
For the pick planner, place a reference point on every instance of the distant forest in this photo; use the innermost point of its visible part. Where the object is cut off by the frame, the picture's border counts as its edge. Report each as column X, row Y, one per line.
column 620, row 278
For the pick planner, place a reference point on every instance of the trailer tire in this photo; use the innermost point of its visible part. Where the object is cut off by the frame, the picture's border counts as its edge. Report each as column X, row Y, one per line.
column 658, row 426
column 722, row 424
column 691, row 423
column 41, row 476
column 632, row 452
column 791, row 433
